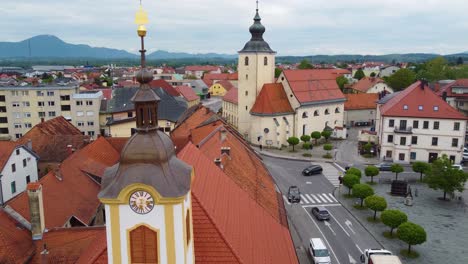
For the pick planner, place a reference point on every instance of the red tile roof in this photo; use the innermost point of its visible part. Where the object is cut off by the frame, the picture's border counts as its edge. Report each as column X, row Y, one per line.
column 76, row 193
column 165, row 86
column 361, row 101
column 16, row 244
column 201, row 68
column 6, row 149
column 232, row 96
column 51, row 138
column 187, row 92
column 413, row 97
column 209, row 78
column 315, row 85
column 226, row 84
column 180, row 135
column 117, row 142
column 448, row 88
column 106, row 94
column 236, row 216
column 366, row 83
column 272, row 100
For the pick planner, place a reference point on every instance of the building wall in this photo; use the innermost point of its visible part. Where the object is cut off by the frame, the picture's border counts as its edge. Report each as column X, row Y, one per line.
column 389, row 71
column 379, row 87
column 85, row 114
column 277, row 132
column 424, row 146
column 217, row 90
column 193, row 102
column 124, row 129
column 19, row 176
column 252, row 77
column 313, row 123
column 361, row 115
column 230, row 113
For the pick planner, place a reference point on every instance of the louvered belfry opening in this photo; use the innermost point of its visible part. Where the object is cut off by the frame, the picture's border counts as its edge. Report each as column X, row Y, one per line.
column 144, row 245
column 147, row 114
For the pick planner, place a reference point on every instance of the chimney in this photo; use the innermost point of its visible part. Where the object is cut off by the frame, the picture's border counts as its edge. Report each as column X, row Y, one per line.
column 218, row 163
column 207, row 110
column 223, row 134
column 29, row 144
column 42, row 120
column 69, row 150
column 36, row 209
column 444, row 96
column 226, row 150
column 58, row 173
column 423, row 84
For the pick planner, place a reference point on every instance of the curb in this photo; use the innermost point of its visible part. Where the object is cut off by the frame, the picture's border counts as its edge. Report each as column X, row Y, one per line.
column 268, row 154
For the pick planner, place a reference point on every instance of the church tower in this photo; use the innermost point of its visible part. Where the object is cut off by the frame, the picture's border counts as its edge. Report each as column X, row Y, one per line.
column 147, row 195
column 256, row 67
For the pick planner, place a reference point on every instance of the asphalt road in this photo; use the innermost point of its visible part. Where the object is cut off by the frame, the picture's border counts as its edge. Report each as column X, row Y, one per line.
column 214, row 103
column 343, row 235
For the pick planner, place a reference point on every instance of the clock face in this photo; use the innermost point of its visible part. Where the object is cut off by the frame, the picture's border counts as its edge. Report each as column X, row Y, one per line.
column 141, row 202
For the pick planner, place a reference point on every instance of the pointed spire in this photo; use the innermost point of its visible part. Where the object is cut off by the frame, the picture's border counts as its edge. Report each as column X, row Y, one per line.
column 256, row 43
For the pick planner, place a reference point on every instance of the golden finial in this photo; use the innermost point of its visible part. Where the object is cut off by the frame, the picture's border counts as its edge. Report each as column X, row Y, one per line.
column 141, row 19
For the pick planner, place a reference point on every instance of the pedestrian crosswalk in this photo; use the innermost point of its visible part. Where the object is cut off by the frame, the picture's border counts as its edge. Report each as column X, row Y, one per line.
column 315, row 198
column 331, row 173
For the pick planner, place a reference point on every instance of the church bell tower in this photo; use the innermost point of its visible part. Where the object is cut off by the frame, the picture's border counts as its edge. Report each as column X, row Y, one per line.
column 256, row 67
column 147, row 195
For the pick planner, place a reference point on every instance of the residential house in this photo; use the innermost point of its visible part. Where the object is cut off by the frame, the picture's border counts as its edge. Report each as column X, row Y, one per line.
column 230, row 107
column 200, row 88
column 18, row 167
column 455, row 94
column 220, row 88
column 388, row 71
column 417, row 125
column 85, row 112
column 370, row 85
column 360, row 109
column 188, row 94
column 199, row 70
column 211, row 78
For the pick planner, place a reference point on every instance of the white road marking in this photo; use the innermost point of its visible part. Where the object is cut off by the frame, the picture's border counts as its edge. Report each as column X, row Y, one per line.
column 349, row 224
column 315, row 197
column 324, row 205
column 326, row 241
column 320, row 196
column 333, row 197
column 303, row 198
column 310, row 198
column 286, row 199
column 341, row 168
column 329, row 226
column 351, row 259
column 308, row 182
column 360, row 250
column 339, row 224
column 326, row 197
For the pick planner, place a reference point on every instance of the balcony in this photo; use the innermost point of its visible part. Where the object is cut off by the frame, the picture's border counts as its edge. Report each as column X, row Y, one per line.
column 403, row 130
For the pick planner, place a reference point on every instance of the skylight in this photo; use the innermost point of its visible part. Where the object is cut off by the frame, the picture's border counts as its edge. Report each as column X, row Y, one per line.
column 436, row 108
column 420, row 107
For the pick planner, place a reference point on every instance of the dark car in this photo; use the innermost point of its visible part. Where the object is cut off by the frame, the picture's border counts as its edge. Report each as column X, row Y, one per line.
column 294, row 194
column 313, row 169
column 320, row 213
column 385, row 166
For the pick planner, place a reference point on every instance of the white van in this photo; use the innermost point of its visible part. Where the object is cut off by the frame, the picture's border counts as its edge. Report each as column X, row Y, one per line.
column 319, row 251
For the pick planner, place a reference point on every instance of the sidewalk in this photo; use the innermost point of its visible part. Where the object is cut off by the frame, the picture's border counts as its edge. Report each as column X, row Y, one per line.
column 297, row 155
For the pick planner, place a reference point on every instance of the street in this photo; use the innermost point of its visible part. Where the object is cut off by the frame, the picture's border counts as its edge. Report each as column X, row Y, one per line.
column 214, row 103
column 342, row 234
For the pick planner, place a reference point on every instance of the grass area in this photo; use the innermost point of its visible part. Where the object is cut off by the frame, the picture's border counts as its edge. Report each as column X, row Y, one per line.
column 307, row 155
column 413, row 254
column 387, row 235
column 371, row 219
column 359, row 207
column 371, row 183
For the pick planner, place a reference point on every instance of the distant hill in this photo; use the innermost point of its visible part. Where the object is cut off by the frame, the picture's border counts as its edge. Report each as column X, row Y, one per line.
column 164, row 55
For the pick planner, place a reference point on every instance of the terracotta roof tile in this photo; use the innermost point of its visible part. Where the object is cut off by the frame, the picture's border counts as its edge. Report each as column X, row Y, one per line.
column 201, row 68
column 315, row 85
column 6, row 149
column 226, row 84
column 366, row 83
column 165, row 86
column 76, row 194
column 180, row 135
column 187, row 92
column 117, row 142
column 361, row 101
column 448, row 88
column 272, row 100
column 235, row 215
column 209, row 78
column 16, row 244
column 415, row 96
column 232, row 96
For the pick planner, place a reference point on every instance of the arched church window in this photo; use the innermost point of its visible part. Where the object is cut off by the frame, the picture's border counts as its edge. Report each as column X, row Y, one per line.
column 304, row 115
column 327, row 112
column 246, row 93
column 337, row 110
column 265, row 61
column 246, row 61
column 316, row 113
column 143, row 245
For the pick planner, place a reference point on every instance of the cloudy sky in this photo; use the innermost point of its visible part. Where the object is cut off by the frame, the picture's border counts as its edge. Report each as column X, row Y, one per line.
column 294, row 27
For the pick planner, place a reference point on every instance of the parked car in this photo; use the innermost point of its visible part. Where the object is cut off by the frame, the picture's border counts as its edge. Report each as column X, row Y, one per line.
column 457, row 166
column 313, row 169
column 465, row 156
column 319, row 251
column 321, row 213
column 384, row 166
column 294, row 194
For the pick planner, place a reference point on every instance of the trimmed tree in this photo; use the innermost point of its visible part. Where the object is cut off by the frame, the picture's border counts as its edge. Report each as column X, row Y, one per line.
column 305, row 138
column 306, row 145
column 293, row 141
column 421, row 167
column 326, row 135
column 412, row 234
column 393, row 219
column 367, row 147
column 362, row 191
column 445, row 177
column 316, row 135
column 371, row 171
column 359, row 74
column 328, row 147
column 349, row 180
column 396, row 168
column 375, row 203
column 355, row 171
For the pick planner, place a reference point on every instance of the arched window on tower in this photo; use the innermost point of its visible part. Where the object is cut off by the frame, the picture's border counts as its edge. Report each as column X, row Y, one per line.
column 265, row 61
column 143, row 245
column 327, row 112
column 246, row 61
column 316, row 113
column 337, row 110
column 305, row 115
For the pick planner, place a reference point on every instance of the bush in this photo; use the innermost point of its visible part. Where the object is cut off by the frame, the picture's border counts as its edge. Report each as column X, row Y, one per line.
column 354, row 171
column 375, row 203
column 306, row 145
column 362, row 191
column 349, row 180
column 327, row 147
column 393, row 218
column 307, row 155
column 412, row 234
column 327, row 156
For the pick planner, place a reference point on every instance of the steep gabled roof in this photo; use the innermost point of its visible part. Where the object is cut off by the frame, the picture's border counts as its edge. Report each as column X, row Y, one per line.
column 366, row 83
column 226, row 85
column 460, row 83
column 187, row 92
column 16, row 244
column 249, row 233
column 315, row 86
column 272, row 100
column 209, row 78
column 421, row 102
column 361, row 101
column 232, row 96
column 161, row 83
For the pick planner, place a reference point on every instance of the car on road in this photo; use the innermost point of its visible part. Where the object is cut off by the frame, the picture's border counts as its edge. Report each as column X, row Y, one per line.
column 320, row 212
column 457, row 166
column 465, row 156
column 366, row 257
column 312, row 169
column 384, row 166
column 294, row 194
column 318, row 251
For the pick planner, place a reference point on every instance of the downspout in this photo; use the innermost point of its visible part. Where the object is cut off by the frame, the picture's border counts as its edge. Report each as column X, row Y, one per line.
column 1, row 190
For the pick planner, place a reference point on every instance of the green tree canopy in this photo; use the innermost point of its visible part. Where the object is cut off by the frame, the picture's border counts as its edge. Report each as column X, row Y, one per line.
column 349, row 180
column 396, row 168
column 371, row 171
column 278, row 72
column 444, row 177
column 359, row 74
column 326, row 134
column 412, row 234
column 435, row 70
column 362, row 191
column 316, row 135
column 305, row 64
column 393, row 218
column 373, row 74
column 341, row 81
column 367, row 147
column 421, row 167
column 401, row 79
column 355, row 171
column 328, row 147
column 305, row 138
column 293, row 141
column 375, row 203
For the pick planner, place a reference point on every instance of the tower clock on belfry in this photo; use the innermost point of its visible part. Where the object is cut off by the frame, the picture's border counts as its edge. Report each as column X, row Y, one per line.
column 147, row 194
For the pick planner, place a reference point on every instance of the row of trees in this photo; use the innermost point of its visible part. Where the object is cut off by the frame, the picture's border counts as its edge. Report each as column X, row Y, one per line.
column 316, row 135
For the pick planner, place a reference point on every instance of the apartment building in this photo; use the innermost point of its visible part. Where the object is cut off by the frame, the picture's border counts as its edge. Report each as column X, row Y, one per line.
column 85, row 112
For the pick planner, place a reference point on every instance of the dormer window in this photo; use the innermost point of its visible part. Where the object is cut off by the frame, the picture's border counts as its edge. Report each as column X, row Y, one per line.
column 405, row 107
column 436, row 108
column 420, row 107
